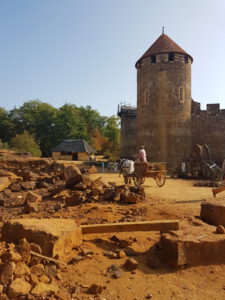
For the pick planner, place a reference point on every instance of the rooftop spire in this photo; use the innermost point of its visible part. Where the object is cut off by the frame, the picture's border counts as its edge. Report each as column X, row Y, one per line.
column 163, row 29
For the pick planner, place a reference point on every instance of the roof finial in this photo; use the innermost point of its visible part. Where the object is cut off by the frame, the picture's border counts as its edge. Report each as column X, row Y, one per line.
column 163, row 30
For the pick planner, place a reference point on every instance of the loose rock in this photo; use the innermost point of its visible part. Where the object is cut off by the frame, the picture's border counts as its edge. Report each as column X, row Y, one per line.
column 19, row 287
column 131, row 264
column 220, row 229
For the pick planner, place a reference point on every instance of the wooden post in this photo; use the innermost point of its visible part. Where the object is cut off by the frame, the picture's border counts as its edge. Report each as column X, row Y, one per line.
column 161, row 225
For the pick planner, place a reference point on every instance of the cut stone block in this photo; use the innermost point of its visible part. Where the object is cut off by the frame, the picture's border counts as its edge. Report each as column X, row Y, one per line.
column 213, row 212
column 193, row 247
column 56, row 237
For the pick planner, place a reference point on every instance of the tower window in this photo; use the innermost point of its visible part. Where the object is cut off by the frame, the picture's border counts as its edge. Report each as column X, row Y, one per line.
column 181, row 94
column 147, row 96
column 153, row 59
column 186, row 59
column 171, row 56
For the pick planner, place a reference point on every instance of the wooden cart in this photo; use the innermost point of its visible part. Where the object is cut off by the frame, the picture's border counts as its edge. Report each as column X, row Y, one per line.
column 156, row 170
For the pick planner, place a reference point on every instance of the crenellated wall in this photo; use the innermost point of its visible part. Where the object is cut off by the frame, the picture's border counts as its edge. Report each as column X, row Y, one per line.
column 208, row 127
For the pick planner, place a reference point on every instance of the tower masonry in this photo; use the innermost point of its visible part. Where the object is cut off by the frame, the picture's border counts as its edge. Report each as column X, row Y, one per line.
column 164, row 102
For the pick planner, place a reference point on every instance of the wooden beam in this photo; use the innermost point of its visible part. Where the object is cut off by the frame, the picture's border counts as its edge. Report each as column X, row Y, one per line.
column 161, row 225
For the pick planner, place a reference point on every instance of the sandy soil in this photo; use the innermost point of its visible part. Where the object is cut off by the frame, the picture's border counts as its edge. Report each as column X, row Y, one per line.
column 153, row 278
column 178, row 199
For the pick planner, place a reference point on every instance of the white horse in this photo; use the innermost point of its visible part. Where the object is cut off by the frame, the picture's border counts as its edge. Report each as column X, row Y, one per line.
column 127, row 169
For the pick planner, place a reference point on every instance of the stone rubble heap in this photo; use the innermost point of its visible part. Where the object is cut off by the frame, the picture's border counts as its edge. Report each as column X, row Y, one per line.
column 26, row 276
column 30, row 183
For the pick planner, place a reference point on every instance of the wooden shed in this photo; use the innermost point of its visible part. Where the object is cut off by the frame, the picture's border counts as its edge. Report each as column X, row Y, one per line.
column 72, row 150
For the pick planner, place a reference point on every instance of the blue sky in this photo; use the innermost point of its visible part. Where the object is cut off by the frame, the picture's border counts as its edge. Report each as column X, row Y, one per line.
column 84, row 51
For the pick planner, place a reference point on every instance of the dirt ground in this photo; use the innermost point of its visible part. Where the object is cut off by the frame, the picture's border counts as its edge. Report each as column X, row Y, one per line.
column 97, row 262
column 178, row 199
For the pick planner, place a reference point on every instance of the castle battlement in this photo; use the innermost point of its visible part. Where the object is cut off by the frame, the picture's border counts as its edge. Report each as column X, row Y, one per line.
column 212, row 109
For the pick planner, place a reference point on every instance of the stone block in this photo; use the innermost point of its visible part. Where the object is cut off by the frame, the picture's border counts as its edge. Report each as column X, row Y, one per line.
column 56, row 237
column 192, row 249
column 213, row 212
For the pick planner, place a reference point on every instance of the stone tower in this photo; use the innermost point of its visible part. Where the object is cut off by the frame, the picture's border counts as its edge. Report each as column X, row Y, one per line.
column 164, row 102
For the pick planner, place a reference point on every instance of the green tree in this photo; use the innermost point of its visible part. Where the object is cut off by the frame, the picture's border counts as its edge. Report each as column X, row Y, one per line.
column 111, row 131
column 91, row 118
column 38, row 118
column 7, row 126
column 25, row 142
column 49, row 125
column 69, row 124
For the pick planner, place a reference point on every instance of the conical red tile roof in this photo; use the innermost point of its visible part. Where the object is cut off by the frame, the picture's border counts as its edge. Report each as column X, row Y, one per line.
column 163, row 44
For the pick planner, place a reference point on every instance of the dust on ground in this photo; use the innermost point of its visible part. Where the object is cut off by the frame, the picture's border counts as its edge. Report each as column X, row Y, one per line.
column 100, row 259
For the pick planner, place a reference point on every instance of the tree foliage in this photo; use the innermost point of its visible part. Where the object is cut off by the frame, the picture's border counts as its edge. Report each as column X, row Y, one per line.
column 49, row 125
column 25, row 142
column 7, row 126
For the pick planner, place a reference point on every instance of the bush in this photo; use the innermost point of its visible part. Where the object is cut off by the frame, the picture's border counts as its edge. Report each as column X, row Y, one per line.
column 3, row 145
column 25, row 142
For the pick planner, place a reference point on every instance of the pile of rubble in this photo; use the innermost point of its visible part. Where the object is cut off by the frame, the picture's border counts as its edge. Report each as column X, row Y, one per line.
column 33, row 185
column 24, row 275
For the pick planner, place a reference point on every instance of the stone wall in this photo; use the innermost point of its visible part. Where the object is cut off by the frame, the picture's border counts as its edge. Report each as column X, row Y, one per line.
column 164, row 108
column 128, row 138
column 81, row 156
column 208, row 127
column 59, row 156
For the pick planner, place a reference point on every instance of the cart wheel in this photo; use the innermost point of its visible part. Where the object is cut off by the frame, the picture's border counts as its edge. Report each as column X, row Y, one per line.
column 138, row 181
column 160, row 179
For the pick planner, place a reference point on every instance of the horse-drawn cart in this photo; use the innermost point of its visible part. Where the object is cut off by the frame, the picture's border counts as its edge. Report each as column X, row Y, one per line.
column 153, row 170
